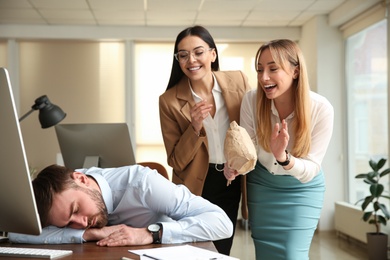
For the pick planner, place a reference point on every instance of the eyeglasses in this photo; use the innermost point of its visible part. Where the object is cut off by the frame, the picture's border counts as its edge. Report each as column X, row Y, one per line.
column 197, row 54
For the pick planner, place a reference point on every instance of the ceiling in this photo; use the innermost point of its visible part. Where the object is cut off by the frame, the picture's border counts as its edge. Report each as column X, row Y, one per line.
column 233, row 13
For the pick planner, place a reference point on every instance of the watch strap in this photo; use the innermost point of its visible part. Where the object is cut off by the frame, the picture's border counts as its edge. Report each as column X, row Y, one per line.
column 156, row 235
column 287, row 161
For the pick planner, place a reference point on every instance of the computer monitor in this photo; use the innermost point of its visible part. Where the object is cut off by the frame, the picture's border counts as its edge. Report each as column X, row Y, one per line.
column 18, row 211
column 103, row 145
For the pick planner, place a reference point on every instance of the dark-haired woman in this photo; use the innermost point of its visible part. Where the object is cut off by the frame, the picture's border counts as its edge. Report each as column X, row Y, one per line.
column 195, row 112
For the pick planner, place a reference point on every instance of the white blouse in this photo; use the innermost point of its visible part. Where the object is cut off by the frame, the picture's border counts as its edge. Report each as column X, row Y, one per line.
column 306, row 168
column 215, row 127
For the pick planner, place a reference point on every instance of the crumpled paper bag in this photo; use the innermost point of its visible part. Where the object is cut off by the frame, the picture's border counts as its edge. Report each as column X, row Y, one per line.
column 239, row 149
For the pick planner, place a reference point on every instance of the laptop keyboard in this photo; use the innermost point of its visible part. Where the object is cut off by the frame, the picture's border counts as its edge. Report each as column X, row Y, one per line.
column 34, row 252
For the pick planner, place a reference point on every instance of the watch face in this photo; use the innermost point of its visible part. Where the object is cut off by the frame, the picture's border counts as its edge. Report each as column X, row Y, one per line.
column 154, row 228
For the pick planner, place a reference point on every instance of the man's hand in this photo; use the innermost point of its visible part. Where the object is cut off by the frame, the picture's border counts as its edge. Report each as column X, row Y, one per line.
column 126, row 236
column 94, row 234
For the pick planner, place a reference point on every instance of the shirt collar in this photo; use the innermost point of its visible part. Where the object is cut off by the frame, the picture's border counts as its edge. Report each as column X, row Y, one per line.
column 105, row 189
column 196, row 97
column 273, row 108
column 276, row 113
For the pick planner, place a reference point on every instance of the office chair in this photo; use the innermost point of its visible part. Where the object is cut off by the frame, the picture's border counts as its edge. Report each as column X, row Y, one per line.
column 156, row 166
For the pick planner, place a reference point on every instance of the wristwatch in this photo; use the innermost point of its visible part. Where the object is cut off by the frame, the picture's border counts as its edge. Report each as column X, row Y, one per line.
column 154, row 229
column 287, row 161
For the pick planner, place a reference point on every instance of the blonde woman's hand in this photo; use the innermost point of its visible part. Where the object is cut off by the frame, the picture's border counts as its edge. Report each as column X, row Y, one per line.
column 279, row 141
column 198, row 113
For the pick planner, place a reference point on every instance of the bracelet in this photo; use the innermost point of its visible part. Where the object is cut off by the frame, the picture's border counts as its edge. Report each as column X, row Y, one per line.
column 287, row 161
column 196, row 132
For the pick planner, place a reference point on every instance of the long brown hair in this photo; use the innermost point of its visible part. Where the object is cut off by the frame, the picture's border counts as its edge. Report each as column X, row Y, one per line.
column 286, row 53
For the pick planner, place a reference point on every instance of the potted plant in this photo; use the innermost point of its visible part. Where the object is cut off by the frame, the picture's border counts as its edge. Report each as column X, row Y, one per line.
column 374, row 211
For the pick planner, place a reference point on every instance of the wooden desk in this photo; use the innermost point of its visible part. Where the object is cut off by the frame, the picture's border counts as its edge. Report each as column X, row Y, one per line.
column 90, row 251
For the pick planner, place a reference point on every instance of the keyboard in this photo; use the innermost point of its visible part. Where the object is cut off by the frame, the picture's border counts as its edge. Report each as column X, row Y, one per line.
column 34, row 252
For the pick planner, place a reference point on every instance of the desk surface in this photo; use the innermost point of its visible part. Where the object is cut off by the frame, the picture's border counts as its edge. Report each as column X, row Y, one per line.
column 91, row 251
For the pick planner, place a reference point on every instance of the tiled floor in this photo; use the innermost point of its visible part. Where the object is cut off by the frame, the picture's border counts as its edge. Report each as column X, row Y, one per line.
column 326, row 245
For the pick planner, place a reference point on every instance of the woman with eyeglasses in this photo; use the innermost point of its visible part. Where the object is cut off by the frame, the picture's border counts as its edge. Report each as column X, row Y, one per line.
column 195, row 112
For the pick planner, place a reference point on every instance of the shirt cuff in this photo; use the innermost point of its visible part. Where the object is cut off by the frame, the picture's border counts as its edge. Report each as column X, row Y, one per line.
column 298, row 169
column 171, row 233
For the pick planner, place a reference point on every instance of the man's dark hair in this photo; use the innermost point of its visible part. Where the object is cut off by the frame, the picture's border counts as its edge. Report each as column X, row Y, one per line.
column 52, row 179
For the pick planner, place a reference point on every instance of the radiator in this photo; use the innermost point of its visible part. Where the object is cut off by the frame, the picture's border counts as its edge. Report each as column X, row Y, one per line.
column 349, row 222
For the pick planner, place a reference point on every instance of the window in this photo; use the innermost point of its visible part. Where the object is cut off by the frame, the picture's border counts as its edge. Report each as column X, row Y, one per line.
column 367, row 90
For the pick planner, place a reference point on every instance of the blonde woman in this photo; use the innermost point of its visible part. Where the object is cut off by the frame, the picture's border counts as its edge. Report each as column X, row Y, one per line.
column 291, row 128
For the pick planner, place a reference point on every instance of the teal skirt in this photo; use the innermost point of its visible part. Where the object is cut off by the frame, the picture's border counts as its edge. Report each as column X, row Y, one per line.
column 283, row 213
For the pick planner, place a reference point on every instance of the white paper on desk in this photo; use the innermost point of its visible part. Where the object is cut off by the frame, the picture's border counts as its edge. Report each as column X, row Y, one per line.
column 187, row 252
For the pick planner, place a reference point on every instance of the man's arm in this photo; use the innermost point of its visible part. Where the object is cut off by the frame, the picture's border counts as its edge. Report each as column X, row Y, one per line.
column 55, row 235
column 196, row 219
column 50, row 235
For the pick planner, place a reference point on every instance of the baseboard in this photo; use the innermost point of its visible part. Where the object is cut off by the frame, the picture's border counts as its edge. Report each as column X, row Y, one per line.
column 349, row 222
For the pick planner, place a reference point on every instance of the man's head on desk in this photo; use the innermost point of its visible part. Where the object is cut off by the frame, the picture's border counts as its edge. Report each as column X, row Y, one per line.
column 67, row 198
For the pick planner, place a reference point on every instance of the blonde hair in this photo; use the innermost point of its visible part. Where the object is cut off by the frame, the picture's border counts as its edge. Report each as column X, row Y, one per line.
column 286, row 53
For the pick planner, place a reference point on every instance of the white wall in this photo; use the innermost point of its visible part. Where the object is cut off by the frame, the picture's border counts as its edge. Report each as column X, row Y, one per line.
column 322, row 46
column 387, row 228
column 76, row 76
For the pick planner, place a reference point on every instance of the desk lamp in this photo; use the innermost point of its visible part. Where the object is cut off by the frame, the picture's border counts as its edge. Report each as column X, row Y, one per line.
column 49, row 114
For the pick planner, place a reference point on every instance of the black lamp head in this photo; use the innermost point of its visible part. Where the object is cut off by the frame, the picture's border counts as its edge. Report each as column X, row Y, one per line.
column 49, row 114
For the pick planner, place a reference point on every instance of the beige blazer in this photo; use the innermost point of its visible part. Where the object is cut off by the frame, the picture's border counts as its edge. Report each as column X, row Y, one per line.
column 188, row 153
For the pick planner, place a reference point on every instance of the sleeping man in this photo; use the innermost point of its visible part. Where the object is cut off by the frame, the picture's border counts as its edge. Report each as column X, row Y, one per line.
column 131, row 205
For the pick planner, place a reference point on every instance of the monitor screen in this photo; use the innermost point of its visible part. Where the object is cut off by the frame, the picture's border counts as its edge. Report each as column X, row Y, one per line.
column 18, row 211
column 103, row 145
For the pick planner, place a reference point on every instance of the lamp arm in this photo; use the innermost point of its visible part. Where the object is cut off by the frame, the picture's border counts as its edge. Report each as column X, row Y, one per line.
column 27, row 114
